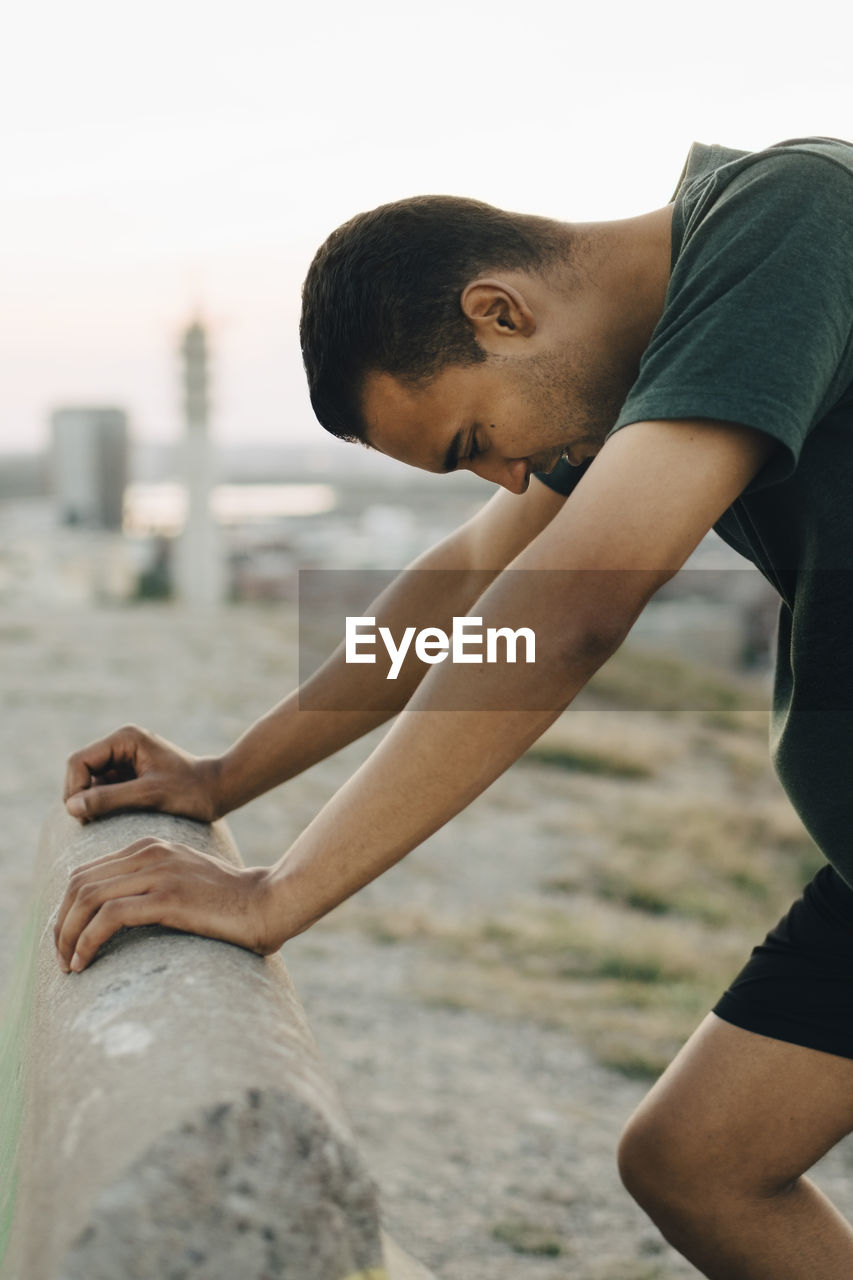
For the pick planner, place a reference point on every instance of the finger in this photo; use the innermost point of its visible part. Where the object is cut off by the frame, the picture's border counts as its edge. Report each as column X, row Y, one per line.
column 119, row 748
column 106, row 860
column 95, row 801
column 115, row 914
column 83, row 884
column 92, row 759
column 87, row 901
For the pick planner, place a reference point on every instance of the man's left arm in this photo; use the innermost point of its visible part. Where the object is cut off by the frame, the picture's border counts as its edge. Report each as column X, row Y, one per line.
column 651, row 495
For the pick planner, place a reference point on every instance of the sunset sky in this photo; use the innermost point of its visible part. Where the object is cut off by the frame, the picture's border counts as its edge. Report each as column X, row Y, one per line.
column 177, row 154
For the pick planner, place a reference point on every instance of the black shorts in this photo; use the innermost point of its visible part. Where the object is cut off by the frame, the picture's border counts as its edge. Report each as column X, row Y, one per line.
column 798, row 984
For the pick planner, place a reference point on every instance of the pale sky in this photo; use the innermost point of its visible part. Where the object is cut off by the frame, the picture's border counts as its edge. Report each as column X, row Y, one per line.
column 176, row 152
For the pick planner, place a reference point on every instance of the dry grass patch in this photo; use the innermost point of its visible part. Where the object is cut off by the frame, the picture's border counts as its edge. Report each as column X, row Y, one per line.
column 631, row 987
column 702, row 860
column 632, row 1269
column 531, row 1238
column 745, row 755
column 607, row 743
column 639, row 679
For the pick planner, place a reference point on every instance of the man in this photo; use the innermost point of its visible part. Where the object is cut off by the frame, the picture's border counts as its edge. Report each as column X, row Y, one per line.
column 701, row 355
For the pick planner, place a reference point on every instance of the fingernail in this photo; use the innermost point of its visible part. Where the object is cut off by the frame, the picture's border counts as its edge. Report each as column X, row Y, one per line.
column 76, row 962
column 77, row 806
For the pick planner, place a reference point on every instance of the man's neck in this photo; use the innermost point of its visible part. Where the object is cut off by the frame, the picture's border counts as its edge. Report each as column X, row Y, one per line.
column 626, row 270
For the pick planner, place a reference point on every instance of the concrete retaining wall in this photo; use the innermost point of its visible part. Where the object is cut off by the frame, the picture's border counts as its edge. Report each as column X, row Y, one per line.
column 178, row 1123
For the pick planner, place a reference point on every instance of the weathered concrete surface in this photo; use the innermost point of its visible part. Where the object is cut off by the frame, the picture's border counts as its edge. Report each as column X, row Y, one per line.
column 179, row 1122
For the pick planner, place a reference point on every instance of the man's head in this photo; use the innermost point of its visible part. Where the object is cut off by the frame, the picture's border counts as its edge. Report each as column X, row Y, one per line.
column 383, row 295
column 444, row 332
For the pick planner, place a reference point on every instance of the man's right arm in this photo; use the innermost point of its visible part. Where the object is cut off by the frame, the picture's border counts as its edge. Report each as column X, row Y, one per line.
column 133, row 769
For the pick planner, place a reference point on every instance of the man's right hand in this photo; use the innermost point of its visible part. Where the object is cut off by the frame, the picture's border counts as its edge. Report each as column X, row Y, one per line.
column 134, row 769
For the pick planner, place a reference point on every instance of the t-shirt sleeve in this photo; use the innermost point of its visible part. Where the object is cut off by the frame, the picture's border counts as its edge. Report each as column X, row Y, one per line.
column 756, row 328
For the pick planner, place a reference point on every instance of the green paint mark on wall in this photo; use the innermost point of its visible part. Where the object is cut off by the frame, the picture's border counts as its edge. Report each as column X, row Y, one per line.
column 13, row 1040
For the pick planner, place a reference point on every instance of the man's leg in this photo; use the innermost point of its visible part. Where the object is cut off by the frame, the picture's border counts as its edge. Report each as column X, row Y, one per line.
column 717, row 1152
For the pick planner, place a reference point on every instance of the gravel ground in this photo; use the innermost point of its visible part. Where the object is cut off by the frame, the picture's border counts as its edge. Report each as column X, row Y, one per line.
column 492, row 1138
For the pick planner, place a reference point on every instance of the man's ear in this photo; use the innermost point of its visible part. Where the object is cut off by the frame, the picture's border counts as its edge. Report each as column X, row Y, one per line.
column 497, row 311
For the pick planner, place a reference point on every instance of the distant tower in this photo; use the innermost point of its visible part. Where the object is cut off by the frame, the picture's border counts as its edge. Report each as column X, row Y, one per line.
column 199, row 562
column 90, row 465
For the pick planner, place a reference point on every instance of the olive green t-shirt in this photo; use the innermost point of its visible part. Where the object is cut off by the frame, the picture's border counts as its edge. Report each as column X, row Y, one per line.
column 757, row 328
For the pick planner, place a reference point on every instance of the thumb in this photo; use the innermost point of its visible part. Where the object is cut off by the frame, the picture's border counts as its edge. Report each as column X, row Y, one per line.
column 94, row 802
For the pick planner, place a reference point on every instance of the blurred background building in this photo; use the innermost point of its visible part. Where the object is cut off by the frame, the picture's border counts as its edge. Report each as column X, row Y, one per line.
column 90, row 455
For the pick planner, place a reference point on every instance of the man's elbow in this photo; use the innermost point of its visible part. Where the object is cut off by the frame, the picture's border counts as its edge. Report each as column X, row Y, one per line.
column 587, row 648
column 593, row 635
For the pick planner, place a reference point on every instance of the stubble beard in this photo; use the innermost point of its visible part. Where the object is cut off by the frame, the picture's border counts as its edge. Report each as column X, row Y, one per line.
column 576, row 400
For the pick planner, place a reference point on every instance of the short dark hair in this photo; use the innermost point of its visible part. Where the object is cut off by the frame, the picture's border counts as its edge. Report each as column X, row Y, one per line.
column 382, row 295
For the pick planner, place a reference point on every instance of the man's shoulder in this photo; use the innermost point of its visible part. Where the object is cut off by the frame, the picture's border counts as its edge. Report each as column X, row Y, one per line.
column 798, row 188
column 836, row 151
column 711, row 170
column 755, row 327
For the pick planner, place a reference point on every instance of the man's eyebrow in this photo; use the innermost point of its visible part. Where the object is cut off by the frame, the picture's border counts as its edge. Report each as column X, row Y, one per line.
column 451, row 458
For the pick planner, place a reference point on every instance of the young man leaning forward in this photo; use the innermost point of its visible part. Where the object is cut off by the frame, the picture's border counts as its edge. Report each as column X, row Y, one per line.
column 628, row 385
